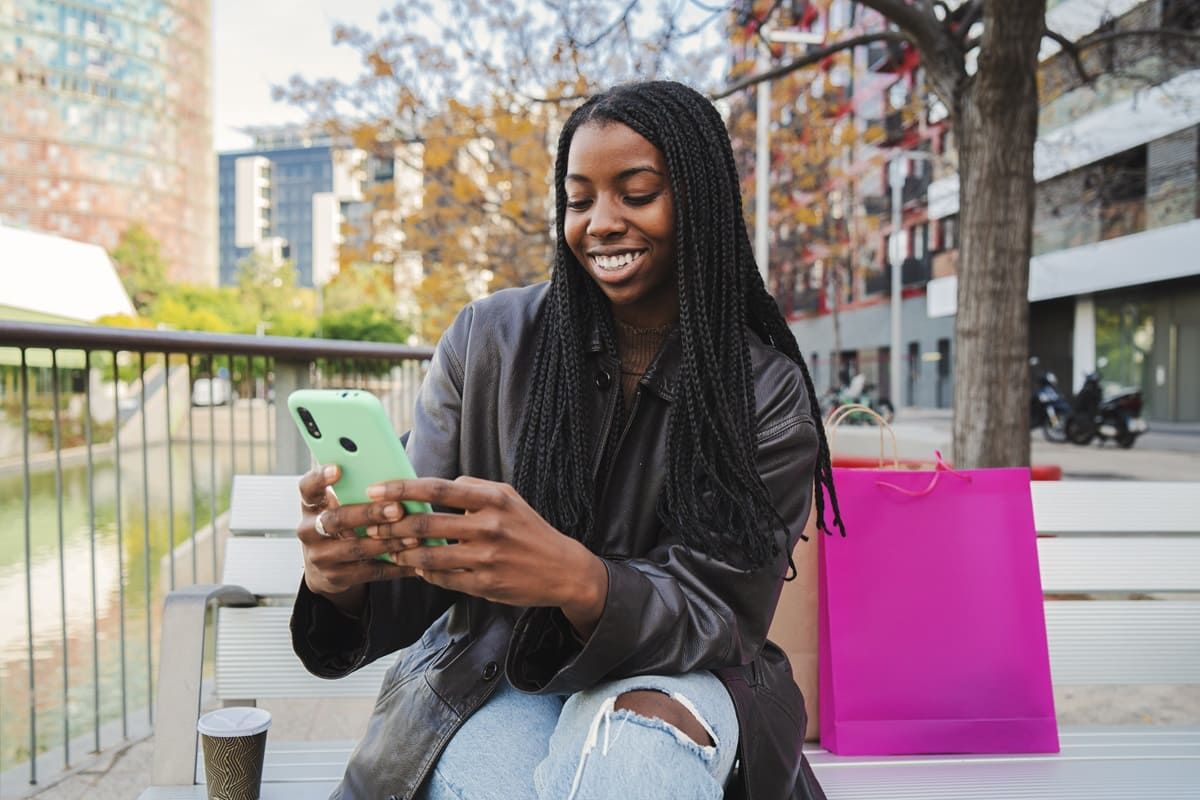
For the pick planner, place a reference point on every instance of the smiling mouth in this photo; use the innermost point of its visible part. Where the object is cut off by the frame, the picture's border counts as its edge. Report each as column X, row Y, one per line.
column 615, row 263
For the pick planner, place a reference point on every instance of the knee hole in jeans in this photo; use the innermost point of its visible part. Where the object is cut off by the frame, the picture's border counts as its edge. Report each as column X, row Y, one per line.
column 653, row 704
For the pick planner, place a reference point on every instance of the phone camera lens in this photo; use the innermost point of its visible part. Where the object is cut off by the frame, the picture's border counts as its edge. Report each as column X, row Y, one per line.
column 309, row 422
column 348, row 444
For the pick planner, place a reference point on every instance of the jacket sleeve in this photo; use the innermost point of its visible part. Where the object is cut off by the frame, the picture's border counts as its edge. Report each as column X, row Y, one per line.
column 397, row 612
column 674, row 610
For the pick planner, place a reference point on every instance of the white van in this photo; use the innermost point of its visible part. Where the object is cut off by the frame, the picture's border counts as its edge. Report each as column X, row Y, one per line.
column 212, row 392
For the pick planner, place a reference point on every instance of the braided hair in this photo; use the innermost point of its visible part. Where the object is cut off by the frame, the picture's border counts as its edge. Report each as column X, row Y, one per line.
column 713, row 497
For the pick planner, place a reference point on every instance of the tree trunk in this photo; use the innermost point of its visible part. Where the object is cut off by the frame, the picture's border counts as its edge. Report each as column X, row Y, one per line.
column 997, row 127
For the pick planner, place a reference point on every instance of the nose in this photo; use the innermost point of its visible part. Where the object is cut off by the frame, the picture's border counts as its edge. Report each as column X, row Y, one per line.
column 606, row 219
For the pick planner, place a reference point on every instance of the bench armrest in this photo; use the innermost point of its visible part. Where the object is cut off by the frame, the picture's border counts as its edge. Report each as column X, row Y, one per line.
column 180, row 670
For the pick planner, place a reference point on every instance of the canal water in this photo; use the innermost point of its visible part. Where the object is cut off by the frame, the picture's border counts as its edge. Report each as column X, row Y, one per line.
column 81, row 590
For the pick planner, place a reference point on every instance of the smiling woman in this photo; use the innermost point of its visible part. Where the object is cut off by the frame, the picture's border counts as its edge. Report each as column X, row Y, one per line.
column 617, row 548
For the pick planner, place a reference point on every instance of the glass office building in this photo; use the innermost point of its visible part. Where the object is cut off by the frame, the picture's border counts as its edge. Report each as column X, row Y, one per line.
column 106, row 119
column 283, row 189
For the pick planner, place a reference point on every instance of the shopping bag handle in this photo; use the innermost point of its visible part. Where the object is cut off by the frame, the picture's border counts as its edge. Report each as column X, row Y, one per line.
column 940, row 468
column 841, row 413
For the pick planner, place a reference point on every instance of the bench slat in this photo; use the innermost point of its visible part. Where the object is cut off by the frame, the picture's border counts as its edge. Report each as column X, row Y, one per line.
column 1119, row 507
column 255, row 660
column 1119, row 564
column 268, row 566
column 1096, row 642
column 264, row 504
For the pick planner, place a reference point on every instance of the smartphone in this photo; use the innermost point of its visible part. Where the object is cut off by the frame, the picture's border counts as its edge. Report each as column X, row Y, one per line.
column 349, row 427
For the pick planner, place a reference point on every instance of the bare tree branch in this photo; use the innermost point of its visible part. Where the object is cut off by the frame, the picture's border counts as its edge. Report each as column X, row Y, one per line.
column 612, row 26
column 808, row 59
column 941, row 51
column 1165, row 33
column 921, row 25
column 1072, row 51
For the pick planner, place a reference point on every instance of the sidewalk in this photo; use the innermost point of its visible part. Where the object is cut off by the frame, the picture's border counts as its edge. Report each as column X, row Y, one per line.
column 1168, row 452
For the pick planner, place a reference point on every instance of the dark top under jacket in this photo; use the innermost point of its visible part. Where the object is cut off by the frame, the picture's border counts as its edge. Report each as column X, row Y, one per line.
column 669, row 610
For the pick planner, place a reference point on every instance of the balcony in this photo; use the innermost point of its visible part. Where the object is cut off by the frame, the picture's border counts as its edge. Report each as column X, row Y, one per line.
column 893, row 128
column 914, row 271
column 915, row 188
column 876, row 204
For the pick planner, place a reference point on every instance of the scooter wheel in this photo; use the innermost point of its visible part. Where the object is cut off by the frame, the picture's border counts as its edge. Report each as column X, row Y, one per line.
column 1125, row 439
column 1079, row 433
column 1054, row 433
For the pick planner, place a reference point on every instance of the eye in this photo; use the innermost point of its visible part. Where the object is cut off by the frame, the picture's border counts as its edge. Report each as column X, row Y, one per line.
column 641, row 199
column 578, row 205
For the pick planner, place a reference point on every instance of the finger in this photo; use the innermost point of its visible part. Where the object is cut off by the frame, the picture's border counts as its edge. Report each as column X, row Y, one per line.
column 461, row 581
column 359, row 515
column 430, row 525
column 371, row 571
column 333, row 555
column 313, row 484
column 467, row 495
column 439, row 558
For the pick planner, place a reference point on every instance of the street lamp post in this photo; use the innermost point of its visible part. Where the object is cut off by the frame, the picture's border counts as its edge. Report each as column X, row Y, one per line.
column 896, row 173
column 762, row 141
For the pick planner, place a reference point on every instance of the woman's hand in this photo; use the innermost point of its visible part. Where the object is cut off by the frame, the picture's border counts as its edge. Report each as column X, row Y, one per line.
column 337, row 563
column 504, row 551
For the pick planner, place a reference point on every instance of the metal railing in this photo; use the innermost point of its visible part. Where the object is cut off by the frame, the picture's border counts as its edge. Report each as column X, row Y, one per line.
column 122, row 458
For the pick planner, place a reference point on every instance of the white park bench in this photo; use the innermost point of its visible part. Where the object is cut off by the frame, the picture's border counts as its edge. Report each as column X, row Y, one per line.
column 1120, row 566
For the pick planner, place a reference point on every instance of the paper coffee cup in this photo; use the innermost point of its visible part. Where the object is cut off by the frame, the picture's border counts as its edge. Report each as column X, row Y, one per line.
column 235, row 742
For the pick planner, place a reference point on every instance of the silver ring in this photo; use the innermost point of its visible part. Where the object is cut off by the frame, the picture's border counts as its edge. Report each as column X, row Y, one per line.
column 312, row 506
column 320, row 528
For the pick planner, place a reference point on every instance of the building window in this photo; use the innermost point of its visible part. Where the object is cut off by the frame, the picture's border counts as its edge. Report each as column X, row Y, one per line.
column 949, row 232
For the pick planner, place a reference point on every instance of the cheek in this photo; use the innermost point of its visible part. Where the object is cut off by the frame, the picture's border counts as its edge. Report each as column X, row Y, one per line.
column 574, row 228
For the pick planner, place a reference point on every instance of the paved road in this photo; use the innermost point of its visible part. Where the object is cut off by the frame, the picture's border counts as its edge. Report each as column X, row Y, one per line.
column 1165, row 453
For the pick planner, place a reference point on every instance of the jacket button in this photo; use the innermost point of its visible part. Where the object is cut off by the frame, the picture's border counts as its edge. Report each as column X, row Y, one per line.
column 491, row 670
column 603, row 380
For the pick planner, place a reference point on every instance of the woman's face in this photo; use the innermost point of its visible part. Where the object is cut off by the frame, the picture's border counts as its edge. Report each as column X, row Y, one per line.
column 620, row 221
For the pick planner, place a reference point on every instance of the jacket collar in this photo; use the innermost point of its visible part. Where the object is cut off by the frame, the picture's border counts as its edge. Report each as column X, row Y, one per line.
column 662, row 374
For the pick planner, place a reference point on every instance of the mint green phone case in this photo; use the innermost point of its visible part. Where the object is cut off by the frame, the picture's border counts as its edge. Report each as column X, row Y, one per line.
column 355, row 434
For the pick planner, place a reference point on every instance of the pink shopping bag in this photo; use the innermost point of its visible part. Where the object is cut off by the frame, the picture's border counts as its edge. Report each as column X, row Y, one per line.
column 932, row 631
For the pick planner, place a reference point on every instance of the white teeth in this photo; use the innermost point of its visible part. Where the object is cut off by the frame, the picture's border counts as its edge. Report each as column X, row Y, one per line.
column 615, row 262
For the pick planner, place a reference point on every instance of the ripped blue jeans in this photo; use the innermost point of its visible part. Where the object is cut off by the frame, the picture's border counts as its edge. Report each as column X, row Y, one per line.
column 577, row 747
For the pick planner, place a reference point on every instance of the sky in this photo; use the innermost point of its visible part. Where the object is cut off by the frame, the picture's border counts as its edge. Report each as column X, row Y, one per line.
column 261, row 43
column 257, row 44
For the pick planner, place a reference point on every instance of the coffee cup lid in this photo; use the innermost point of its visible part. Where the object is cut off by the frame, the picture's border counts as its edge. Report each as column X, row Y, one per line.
column 234, row 721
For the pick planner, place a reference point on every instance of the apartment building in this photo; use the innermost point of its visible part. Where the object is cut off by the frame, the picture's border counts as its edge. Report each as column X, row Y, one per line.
column 289, row 197
column 1114, row 278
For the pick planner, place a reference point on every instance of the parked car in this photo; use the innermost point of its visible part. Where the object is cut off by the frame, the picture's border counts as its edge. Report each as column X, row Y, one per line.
column 212, row 392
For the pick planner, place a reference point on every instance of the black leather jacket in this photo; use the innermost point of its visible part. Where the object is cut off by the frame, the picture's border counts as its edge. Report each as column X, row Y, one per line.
column 669, row 610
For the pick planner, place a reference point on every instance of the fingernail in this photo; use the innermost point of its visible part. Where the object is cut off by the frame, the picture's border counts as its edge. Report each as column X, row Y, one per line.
column 409, row 542
column 330, row 472
column 391, row 511
column 376, row 491
column 420, row 573
column 373, row 531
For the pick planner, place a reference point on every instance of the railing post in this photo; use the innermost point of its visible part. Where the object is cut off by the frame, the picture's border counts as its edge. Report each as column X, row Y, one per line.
column 291, row 454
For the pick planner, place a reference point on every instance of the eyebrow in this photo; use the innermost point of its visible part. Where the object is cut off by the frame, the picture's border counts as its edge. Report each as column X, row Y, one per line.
column 622, row 175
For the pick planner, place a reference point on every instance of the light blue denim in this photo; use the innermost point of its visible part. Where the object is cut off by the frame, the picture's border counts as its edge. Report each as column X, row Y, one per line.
column 554, row 747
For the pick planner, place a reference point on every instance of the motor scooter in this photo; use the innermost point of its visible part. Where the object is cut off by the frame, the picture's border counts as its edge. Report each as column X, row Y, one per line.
column 1094, row 417
column 1048, row 409
column 857, row 392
